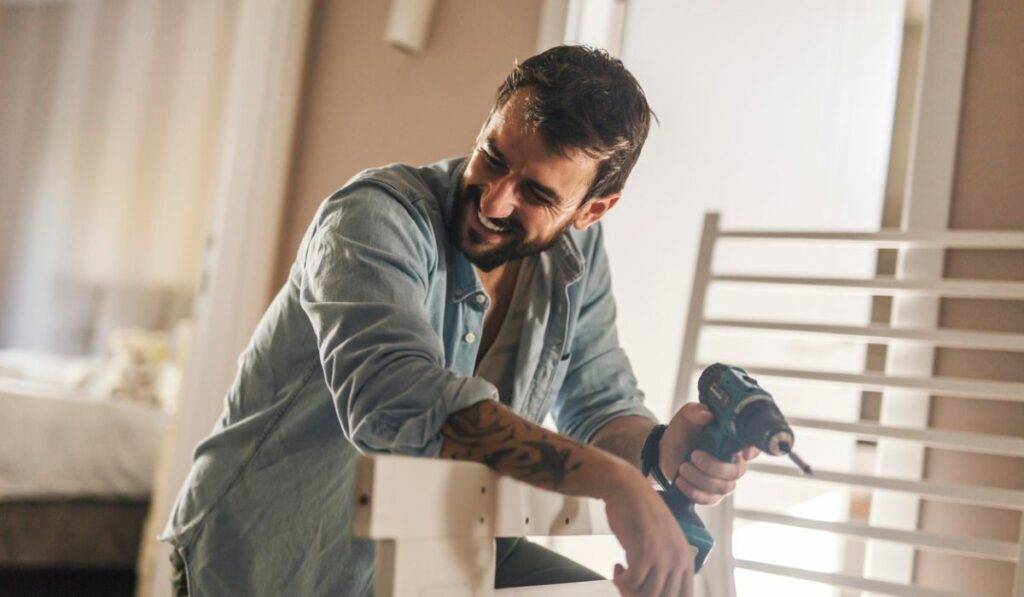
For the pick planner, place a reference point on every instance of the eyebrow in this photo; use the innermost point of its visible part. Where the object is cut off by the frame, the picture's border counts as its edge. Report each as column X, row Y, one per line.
column 544, row 189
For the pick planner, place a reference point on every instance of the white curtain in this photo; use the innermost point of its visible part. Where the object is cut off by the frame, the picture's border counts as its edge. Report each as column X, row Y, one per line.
column 109, row 140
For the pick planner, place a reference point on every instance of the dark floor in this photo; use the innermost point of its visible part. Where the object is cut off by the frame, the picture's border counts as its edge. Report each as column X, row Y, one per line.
column 90, row 582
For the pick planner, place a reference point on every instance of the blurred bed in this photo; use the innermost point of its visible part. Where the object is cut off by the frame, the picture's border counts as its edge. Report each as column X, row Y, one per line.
column 77, row 457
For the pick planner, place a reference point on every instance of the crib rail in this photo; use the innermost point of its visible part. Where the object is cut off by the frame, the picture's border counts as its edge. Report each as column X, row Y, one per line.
column 987, row 389
column 434, row 522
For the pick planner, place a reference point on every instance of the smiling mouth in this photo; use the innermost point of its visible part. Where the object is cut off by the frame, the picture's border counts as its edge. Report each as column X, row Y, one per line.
column 489, row 224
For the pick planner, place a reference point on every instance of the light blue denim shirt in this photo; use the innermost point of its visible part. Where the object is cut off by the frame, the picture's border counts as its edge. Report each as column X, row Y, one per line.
column 367, row 348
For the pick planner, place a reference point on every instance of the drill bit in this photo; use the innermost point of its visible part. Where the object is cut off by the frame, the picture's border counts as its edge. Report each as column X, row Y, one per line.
column 806, row 468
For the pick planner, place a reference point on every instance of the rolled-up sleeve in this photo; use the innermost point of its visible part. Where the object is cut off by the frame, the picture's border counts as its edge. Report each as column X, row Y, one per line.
column 364, row 288
column 599, row 384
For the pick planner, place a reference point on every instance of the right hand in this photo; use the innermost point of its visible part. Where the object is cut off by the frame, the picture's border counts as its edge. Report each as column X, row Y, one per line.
column 659, row 559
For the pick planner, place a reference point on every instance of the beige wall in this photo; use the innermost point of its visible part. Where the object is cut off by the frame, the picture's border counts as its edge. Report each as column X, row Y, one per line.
column 366, row 104
column 988, row 194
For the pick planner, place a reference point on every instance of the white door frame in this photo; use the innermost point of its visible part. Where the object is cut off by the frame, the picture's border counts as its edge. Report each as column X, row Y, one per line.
column 242, row 243
column 927, row 197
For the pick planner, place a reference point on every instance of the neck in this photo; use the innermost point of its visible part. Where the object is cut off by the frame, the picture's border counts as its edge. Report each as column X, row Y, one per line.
column 496, row 276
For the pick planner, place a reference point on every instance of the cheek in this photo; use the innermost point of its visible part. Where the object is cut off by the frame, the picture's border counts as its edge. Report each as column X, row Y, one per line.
column 539, row 223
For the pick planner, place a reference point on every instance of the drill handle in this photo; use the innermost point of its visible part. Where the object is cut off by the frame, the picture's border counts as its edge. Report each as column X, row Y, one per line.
column 717, row 443
column 697, row 534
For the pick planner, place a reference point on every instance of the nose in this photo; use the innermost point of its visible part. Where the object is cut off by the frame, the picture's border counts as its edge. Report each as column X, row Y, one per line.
column 499, row 198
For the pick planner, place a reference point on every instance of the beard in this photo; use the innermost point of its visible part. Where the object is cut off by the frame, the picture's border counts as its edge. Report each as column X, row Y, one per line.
column 483, row 255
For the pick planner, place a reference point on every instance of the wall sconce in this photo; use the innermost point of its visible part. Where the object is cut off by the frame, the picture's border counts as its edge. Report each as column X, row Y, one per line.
column 409, row 24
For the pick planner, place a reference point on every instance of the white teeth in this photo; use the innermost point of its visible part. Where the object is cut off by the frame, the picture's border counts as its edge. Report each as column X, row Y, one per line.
column 487, row 222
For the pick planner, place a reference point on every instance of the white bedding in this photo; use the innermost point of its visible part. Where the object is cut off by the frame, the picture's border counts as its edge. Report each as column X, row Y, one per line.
column 58, row 441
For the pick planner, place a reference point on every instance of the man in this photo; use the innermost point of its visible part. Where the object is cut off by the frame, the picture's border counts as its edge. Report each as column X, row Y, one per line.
column 444, row 311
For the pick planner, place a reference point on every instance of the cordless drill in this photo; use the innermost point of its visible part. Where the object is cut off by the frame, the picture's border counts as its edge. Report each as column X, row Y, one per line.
column 745, row 415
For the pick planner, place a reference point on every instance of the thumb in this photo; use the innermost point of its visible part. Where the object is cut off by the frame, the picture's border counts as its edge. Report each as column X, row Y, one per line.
column 696, row 414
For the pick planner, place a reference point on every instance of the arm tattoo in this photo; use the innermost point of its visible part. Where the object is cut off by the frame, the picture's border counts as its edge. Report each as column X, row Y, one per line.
column 490, row 433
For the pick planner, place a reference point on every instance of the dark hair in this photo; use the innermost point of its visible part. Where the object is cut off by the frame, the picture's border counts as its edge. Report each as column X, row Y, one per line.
column 581, row 98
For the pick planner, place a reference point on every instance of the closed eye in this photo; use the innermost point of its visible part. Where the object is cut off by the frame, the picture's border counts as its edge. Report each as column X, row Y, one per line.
column 492, row 161
column 539, row 195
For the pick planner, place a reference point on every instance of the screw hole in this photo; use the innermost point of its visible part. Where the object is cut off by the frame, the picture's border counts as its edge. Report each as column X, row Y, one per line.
column 481, row 520
column 566, row 520
column 483, row 490
column 364, row 500
column 527, row 520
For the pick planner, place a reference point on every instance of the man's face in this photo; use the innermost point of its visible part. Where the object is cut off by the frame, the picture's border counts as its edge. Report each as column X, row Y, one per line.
column 516, row 198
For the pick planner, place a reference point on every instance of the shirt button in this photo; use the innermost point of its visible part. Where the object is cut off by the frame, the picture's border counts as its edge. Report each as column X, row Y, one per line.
column 470, row 337
column 481, row 299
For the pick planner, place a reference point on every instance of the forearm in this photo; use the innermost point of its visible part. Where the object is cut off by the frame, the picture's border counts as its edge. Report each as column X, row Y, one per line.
column 490, row 433
column 624, row 437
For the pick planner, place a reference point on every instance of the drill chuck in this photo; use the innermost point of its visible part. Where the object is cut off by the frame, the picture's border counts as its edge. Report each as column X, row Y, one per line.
column 760, row 423
column 780, row 443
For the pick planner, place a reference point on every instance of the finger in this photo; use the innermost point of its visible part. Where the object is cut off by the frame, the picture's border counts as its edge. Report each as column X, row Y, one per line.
column 702, row 481
column 617, row 574
column 654, row 584
column 713, row 467
column 686, row 572
column 630, row 579
column 687, row 583
column 750, row 453
column 674, row 586
column 698, row 496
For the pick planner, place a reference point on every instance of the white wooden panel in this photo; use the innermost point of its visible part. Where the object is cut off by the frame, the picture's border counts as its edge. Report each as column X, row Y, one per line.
column 986, row 548
column 952, row 338
column 889, row 286
column 970, row 442
column 926, row 200
column 968, row 494
column 438, row 538
column 894, row 239
column 843, row 580
column 462, row 499
column 695, row 311
column 448, row 567
column 949, row 386
column 596, row 588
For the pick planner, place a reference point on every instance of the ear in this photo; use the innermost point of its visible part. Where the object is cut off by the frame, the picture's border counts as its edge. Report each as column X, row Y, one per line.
column 593, row 210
